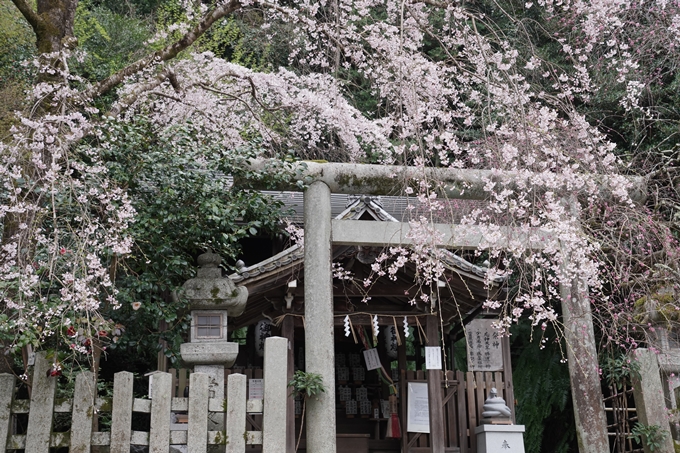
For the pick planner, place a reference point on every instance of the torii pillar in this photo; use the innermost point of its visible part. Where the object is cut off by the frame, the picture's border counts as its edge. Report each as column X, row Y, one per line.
column 584, row 376
column 319, row 342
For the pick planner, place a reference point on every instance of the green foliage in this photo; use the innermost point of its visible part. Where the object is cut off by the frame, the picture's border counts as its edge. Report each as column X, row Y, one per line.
column 652, row 436
column 620, row 370
column 135, row 8
column 86, row 25
column 306, row 384
column 241, row 40
column 111, row 41
column 221, row 438
column 185, row 205
column 17, row 44
column 542, row 393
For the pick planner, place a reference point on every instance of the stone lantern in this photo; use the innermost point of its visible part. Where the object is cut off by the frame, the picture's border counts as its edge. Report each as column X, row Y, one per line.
column 212, row 298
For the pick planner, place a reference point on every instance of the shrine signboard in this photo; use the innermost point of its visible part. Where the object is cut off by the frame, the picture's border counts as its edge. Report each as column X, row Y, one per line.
column 484, row 351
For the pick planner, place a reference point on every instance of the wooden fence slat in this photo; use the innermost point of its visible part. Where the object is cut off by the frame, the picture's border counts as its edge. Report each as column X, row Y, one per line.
column 471, row 409
column 182, row 382
column 173, row 374
column 7, row 382
column 42, row 404
column 121, row 413
column 462, row 411
column 197, row 437
column 500, row 385
column 159, row 434
column 83, row 412
column 479, row 397
column 236, row 413
column 451, row 427
column 507, row 374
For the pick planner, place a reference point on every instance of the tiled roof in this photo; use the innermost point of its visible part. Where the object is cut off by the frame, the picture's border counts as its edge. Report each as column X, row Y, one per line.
column 354, row 209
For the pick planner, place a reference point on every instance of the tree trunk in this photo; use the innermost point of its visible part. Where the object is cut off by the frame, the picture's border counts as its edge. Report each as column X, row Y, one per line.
column 57, row 24
column 52, row 23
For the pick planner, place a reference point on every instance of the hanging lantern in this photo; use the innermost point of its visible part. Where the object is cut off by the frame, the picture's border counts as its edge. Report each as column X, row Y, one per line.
column 390, row 341
column 263, row 330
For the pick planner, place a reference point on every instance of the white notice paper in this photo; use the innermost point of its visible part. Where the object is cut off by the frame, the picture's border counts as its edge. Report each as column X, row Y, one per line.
column 255, row 389
column 433, row 358
column 418, row 418
column 372, row 359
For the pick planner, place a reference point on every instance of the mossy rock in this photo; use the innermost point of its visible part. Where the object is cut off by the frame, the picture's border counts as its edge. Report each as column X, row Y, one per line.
column 658, row 308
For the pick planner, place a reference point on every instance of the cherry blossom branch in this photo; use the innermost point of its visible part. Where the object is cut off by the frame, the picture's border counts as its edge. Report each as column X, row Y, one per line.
column 129, row 99
column 167, row 53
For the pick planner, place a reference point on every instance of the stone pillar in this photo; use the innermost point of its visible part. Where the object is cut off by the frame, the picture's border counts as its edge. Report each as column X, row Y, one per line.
column 212, row 298
column 275, row 395
column 586, row 393
column 215, row 375
column 319, row 344
column 650, row 403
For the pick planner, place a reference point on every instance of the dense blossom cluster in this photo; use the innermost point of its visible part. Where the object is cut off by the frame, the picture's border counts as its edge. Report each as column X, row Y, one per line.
column 476, row 101
column 63, row 224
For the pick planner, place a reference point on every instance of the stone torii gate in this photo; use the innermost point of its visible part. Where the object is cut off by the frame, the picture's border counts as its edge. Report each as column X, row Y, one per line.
column 321, row 232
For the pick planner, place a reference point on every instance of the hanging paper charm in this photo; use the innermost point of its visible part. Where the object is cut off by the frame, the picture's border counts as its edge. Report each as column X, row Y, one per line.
column 347, row 329
column 376, row 328
column 405, row 327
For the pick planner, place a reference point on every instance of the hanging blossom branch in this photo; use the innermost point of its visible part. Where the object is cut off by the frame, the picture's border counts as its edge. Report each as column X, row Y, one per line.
column 64, row 223
column 477, row 101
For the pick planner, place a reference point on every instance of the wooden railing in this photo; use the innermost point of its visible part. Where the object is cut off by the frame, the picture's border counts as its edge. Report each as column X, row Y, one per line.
column 79, row 437
column 463, row 396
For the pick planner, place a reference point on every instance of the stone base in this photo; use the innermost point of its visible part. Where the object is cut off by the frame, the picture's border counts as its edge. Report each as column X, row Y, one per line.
column 496, row 421
column 500, row 438
column 222, row 353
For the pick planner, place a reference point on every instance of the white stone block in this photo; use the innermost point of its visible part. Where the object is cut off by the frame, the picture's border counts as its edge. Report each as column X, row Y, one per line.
column 500, row 438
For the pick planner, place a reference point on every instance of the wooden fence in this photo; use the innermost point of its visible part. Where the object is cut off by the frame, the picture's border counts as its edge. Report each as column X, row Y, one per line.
column 463, row 396
column 180, row 385
column 79, row 437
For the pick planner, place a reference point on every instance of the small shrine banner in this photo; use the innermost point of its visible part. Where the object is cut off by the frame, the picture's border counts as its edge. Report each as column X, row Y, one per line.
column 484, row 350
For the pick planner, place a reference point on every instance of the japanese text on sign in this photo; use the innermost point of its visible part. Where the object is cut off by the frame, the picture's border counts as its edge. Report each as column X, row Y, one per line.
column 484, row 350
